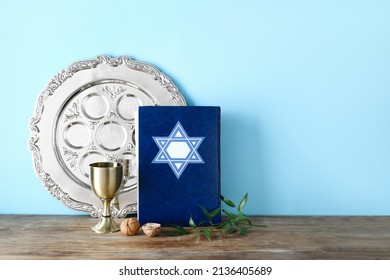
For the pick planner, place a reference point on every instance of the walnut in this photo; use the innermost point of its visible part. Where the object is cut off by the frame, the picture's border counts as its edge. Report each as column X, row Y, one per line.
column 130, row 226
column 151, row 229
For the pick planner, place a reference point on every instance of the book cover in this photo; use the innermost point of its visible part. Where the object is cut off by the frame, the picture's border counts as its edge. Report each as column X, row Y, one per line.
column 178, row 163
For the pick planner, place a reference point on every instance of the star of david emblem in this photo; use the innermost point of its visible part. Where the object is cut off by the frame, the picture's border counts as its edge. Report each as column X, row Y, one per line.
column 178, row 150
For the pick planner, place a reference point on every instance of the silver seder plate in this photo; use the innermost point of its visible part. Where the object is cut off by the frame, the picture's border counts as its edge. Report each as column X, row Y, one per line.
column 86, row 114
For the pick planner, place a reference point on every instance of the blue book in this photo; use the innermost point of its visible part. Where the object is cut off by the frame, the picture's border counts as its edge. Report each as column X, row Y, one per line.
column 178, row 164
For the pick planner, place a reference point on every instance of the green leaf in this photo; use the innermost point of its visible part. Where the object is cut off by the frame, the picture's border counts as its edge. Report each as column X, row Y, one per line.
column 247, row 220
column 207, row 233
column 222, row 225
column 215, row 212
column 242, row 218
column 236, row 220
column 231, row 229
column 242, row 203
column 191, row 222
column 230, row 214
column 207, row 214
column 182, row 230
column 243, row 230
column 228, row 202
column 226, row 226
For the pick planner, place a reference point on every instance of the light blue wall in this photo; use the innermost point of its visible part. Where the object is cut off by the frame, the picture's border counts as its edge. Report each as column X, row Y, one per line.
column 304, row 88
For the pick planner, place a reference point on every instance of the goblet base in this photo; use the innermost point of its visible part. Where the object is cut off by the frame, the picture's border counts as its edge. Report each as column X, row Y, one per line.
column 106, row 225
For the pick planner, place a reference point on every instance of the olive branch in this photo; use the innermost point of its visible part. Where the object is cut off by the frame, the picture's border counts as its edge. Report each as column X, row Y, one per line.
column 238, row 222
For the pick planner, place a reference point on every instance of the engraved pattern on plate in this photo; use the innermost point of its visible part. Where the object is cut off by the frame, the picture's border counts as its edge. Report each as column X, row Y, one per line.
column 95, row 106
column 111, row 136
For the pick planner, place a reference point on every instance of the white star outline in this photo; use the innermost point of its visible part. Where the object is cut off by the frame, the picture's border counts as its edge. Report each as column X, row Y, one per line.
column 178, row 150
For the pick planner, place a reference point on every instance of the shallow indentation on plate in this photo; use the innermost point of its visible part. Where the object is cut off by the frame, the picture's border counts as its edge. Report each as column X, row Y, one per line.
column 95, row 106
column 127, row 106
column 89, row 158
column 77, row 135
column 111, row 136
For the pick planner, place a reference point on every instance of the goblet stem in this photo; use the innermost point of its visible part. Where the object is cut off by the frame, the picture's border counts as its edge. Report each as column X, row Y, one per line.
column 106, row 223
column 106, row 208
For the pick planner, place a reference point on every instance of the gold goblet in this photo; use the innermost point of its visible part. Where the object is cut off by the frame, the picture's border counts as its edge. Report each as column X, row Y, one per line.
column 106, row 179
column 126, row 175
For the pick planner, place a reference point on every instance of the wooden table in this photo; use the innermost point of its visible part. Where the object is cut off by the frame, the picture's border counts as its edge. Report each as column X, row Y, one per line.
column 287, row 237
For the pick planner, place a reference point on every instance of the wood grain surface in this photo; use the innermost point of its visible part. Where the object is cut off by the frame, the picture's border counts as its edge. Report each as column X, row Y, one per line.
column 285, row 237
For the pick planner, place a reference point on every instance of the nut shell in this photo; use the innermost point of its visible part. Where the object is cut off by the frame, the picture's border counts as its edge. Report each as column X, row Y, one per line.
column 151, row 229
column 130, row 226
